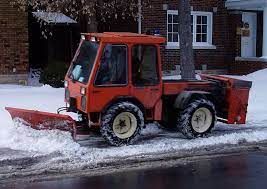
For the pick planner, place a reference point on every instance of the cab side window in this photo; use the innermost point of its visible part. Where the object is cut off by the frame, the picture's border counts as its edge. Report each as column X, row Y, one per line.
column 144, row 65
column 113, row 66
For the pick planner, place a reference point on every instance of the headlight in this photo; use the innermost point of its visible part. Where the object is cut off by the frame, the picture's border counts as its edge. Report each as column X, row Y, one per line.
column 93, row 39
column 83, row 91
column 66, row 84
column 83, row 102
column 67, row 95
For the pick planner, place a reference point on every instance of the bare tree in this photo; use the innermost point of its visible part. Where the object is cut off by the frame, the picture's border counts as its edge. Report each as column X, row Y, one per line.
column 77, row 9
column 186, row 41
column 106, row 9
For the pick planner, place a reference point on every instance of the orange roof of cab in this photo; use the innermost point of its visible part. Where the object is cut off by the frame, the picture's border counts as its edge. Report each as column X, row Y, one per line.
column 126, row 37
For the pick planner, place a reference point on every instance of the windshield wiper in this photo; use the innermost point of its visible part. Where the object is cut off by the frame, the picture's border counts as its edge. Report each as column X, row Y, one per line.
column 72, row 78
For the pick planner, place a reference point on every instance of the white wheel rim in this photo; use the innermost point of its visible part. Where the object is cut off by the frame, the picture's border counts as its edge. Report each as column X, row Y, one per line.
column 201, row 120
column 124, row 125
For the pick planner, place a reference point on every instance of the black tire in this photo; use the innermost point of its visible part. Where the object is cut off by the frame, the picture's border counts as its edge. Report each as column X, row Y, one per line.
column 107, row 121
column 185, row 118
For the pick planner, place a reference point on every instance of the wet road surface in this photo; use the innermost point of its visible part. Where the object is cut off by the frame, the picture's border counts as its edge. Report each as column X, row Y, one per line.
column 246, row 171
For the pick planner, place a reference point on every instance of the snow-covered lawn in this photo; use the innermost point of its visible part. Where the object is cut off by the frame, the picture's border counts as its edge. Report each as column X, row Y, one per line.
column 94, row 150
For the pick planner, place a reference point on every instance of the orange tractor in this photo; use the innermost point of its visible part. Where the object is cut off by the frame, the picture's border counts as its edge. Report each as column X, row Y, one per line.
column 115, row 85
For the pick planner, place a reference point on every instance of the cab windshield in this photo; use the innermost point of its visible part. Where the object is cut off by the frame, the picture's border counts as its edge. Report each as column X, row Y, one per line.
column 84, row 62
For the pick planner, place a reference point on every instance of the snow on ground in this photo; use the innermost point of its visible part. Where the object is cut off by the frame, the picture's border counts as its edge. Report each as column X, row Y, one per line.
column 19, row 137
column 257, row 111
column 153, row 140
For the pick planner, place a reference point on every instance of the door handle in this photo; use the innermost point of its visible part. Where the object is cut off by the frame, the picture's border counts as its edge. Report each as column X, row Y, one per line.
column 95, row 91
column 155, row 89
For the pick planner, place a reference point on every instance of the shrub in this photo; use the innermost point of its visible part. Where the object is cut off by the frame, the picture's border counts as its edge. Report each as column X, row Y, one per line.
column 54, row 73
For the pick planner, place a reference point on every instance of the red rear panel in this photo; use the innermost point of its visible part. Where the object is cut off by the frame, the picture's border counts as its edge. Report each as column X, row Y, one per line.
column 238, row 102
column 237, row 95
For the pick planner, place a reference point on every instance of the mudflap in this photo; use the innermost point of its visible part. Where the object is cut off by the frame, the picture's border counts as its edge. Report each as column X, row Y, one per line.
column 44, row 120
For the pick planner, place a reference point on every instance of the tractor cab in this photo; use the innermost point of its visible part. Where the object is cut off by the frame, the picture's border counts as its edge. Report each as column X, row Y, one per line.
column 110, row 66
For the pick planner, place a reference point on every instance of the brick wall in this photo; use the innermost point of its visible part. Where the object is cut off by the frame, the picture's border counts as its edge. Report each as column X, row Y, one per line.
column 224, row 33
column 13, row 40
column 244, row 67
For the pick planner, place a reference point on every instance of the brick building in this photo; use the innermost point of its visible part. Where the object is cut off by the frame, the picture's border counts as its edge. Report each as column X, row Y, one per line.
column 228, row 36
column 13, row 44
column 22, row 46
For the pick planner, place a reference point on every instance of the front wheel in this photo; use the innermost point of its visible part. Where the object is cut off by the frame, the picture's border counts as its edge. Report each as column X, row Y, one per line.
column 197, row 119
column 122, row 123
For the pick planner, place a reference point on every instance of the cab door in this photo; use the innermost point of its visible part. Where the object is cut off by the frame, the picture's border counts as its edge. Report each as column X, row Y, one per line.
column 146, row 84
column 111, row 78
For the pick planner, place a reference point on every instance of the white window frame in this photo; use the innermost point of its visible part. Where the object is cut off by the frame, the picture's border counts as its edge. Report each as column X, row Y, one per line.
column 196, row 45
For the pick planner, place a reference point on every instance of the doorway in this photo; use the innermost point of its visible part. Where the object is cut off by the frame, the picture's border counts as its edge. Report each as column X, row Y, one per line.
column 249, row 34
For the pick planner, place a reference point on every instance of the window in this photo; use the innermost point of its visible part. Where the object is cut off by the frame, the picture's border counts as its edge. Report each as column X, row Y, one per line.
column 201, row 28
column 173, row 28
column 144, row 65
column 113, row 66
column 83, row 64
column 202, row 31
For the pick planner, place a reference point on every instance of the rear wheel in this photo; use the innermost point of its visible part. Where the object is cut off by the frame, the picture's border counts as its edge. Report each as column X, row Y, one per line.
column 122, row 123
column 197, row 119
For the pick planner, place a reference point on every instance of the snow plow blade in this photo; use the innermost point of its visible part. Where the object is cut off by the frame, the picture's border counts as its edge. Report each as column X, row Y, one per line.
column 43, row 120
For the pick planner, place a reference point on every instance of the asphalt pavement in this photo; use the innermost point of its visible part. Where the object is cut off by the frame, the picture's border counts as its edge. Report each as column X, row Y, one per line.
column 244, row 171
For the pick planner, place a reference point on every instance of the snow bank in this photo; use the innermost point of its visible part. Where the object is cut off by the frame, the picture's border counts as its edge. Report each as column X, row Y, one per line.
column 19, row 137
column 43, row 142
column 257, row 109
column 154, row 140
column 169, row 144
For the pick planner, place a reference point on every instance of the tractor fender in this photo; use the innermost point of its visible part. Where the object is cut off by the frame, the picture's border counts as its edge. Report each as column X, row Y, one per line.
column 125, row 98
column 186, row 96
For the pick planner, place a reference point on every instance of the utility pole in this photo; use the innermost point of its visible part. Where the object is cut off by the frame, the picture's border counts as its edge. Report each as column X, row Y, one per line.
column 186, row 41
column 139, row 16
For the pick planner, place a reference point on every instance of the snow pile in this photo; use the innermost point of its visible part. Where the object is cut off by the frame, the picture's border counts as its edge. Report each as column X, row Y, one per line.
column 17, row 136
column 44, row 142
column 257, row 111
column 171, row 143
column 154, row 140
